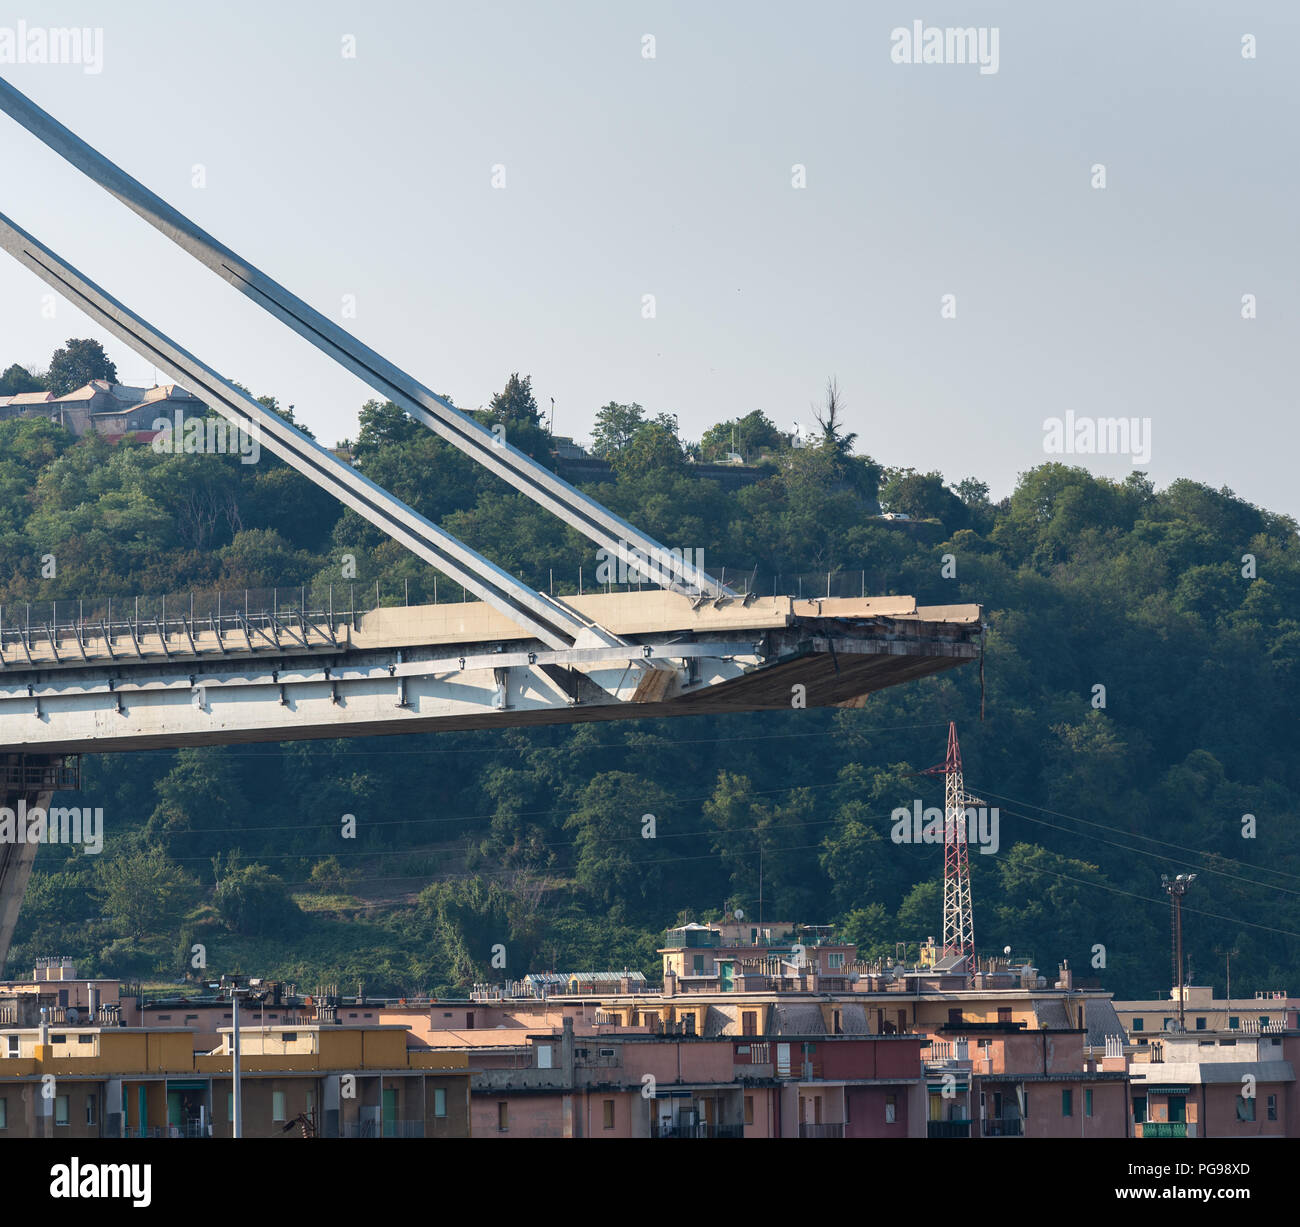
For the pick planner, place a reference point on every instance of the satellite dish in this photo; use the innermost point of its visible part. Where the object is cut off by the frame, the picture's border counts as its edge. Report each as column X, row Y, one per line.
column 1006, row 949
column 740, row 914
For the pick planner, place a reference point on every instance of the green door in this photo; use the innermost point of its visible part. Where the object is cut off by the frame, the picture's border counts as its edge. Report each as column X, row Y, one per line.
column 390, row 1114
column 175, row 1110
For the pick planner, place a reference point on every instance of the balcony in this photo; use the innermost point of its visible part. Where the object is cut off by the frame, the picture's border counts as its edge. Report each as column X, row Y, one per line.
column 821, row 1131
column 1010, row 1128
column 385, row 1129
column 948, row 1129
column 1162, row 1129
column 697, row 1131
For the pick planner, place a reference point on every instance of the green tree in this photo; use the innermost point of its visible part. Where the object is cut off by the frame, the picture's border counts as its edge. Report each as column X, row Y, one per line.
column 653, row 450
column 254, row 902
column 615, row 426
column 19, row 379
column 76, row 364
column 145, row 893
column 749, row 436
column 515, row 404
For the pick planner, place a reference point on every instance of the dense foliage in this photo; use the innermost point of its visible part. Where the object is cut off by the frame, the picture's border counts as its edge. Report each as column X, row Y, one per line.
column 533, row 840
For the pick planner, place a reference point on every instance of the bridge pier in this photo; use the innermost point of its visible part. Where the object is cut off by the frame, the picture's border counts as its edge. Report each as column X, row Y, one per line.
column 33, row 778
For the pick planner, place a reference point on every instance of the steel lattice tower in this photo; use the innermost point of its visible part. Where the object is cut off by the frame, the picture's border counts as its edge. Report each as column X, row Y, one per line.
column 958, row 915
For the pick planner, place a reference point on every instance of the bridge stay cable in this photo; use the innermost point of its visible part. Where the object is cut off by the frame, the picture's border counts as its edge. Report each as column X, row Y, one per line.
column 553, row 623
column 621, row 539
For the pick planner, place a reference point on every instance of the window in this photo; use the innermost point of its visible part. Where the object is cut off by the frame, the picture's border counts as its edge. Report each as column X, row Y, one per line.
column 697, row 964
column 834, row 961
column 1004, row 1013
column 1272, row 1107
column 544, row 1056
column 749, row 1109
column 60, row 1109
column 1234, row 1022
column 607, row 1052
column 1067, row 1103
column 90, row 1109
column 1139, row 1024
column 1245, row 1107
column 439, row 1102
column 1025, row 1112
column 503, row 1117
column 13, row 1045
column 749, row 1022
column 230, row 1105
column 1087, row 1103
column 85, row 1039
column 607, row 1113
column 1139, row 1109
column 277, row 1105
column 1166, row 1024
column 891, row 1109
column 4, row 1113
column 290, row 1037
column 837, row 1023
column 58, row 1039
column 469, row 1019
column 954, row 1017
column 1200, row 1024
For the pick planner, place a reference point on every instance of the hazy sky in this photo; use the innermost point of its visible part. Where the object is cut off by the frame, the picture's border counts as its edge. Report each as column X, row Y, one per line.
column 672, row 176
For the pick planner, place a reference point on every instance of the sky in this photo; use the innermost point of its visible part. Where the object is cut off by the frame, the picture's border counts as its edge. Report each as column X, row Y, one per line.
column 498, row 187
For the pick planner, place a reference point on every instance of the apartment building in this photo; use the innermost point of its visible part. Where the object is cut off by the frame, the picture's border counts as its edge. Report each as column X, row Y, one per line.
column 326, row 1080
column 1203, row 1011
column 635, row 1082
column 1219, row 1084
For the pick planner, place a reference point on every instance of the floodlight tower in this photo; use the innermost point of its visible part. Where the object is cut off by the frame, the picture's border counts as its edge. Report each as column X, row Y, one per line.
column 958, row 915
column 1176, row 888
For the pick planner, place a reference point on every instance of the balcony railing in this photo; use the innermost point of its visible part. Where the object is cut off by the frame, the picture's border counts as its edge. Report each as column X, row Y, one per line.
column 821, row 1131
column 698, row 1131
column 948, row 1129
column 386, row 1129
column 1011, row 1128
column 1162, row 1129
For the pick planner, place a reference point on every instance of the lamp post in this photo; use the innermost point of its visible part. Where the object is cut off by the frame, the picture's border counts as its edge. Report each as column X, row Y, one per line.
column 1176, row 888
column 232, row 985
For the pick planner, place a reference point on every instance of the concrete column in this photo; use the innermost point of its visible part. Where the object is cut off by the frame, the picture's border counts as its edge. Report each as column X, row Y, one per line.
column 16, row 860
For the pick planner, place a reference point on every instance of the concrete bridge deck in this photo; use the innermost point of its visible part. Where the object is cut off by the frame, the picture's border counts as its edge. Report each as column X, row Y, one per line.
column 125, row 685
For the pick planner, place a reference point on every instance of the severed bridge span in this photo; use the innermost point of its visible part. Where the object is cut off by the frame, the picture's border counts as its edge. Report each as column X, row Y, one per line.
column 689, row 645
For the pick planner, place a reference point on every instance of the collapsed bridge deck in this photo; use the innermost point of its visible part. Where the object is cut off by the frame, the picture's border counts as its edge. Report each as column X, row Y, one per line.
column 460, row 666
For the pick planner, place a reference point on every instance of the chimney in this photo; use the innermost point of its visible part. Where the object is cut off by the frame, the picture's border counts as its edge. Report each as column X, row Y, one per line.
column 1066, row 980
column 566, row 1048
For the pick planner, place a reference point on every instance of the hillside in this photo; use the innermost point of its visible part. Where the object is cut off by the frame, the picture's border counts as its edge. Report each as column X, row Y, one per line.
column 531, row 839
